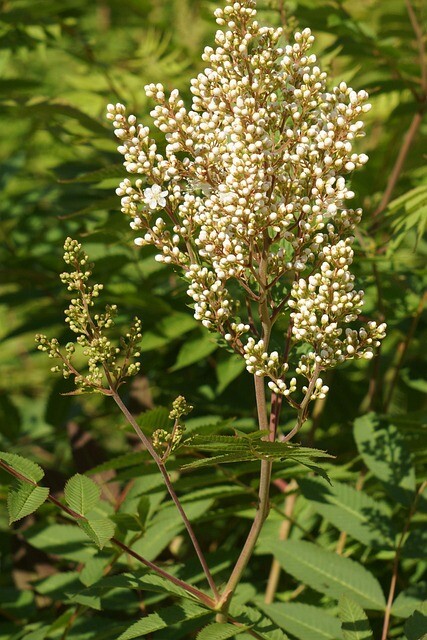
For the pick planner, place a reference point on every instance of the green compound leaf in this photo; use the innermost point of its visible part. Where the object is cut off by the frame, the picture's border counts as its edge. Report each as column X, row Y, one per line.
column 27, row 468
column 169, row 328
column 167, row 524
column 242, row 448
column 23, row 499
column 157, row 418
column 127, row 522
column 122, row 462
column 126, row 581
column 329, row 573
column 302, row 620
column 93, row 571
column 112, row 171
column 57, row 108
column 220, row 459
column 406, row 213
column 81, row 493
column 163, row 619
column 228, row 369
column 220, row 631
column 355, row 623
column 100, row 530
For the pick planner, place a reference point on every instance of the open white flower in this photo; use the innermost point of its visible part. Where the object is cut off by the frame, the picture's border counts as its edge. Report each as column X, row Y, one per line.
column 155, row 197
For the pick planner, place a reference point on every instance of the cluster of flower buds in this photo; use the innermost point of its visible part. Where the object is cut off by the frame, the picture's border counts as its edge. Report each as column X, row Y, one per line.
column 107, row 364
column 261, row 363
column 325, row 302
column 165, row 442
column 180, row 408
column 249, row 198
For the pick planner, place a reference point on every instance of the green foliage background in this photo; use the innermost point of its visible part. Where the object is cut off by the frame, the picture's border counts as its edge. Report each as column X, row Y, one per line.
column 61, row 62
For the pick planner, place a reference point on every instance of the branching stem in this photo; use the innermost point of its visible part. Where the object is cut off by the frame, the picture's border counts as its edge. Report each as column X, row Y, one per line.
column 420, row 44
column 302, row 416
column 202, row 597
column 399, row 163
column 149, row 446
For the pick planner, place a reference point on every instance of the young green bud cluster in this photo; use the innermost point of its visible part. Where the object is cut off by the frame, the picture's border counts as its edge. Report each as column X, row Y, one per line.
column 180, row 407
column 107, row 364
column 166, row 442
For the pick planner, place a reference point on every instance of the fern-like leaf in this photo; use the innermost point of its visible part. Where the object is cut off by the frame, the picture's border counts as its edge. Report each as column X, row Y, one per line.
column 220, row 631
column 162, row 619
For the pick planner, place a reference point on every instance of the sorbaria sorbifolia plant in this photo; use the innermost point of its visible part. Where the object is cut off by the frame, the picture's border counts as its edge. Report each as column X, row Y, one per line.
column 249, row 202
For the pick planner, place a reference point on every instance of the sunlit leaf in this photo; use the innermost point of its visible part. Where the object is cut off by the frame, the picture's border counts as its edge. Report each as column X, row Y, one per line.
column 219, row 631
column 383, row 449
column 81, row 493
column 23, row 499
column 27, row 468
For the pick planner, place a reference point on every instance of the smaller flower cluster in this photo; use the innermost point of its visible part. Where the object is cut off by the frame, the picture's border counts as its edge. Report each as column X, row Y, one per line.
column 166, row 442
column 261, row 363
column 323, row 303
column 212, row 302
column 320, row 390
column 107, row 364
column 180, row 408
column 138, row 149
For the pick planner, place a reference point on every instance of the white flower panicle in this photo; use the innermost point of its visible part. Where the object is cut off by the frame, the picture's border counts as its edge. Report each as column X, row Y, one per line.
column 251, row 201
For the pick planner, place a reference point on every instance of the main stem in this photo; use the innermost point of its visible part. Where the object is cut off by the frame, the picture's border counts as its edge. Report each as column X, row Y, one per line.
column 147, row 443
column 261, row 514
column 266, row 465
